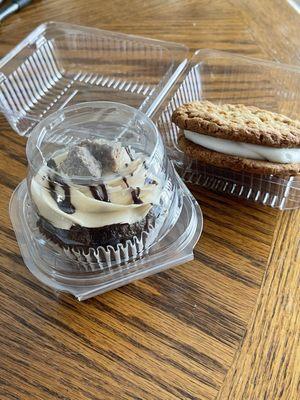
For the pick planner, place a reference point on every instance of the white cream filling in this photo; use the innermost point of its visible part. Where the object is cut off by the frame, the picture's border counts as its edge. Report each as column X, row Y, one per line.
column 245, row 150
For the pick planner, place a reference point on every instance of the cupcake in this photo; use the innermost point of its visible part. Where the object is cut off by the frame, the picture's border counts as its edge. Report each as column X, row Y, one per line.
column 98, row 201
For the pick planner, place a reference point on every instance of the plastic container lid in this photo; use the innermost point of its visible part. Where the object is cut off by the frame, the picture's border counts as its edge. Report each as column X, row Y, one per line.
column 60, row 64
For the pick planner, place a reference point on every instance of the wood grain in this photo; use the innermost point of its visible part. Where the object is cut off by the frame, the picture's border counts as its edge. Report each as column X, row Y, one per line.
column 177, row 334
column 269, row 364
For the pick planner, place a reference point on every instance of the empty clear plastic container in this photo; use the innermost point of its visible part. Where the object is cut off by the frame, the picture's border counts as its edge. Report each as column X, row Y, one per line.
column 61, row 64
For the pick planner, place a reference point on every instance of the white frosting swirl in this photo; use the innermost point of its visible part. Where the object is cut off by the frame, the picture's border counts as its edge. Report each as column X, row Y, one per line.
column 245, row 150
column 93, row 213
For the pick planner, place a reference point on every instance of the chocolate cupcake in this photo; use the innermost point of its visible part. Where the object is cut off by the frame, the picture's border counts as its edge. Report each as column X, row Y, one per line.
column 98, row 202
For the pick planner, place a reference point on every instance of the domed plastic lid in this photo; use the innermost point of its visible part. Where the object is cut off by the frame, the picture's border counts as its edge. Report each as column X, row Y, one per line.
column 97, row 180
column 92, row 140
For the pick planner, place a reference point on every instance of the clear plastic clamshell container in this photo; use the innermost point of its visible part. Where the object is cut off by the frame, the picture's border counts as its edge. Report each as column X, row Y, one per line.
column 222, row 77
column 54, row 70
column 69, row 70
column 102, row 204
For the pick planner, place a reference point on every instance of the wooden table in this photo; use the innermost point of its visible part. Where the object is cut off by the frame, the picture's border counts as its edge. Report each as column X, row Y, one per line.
column 224, row 326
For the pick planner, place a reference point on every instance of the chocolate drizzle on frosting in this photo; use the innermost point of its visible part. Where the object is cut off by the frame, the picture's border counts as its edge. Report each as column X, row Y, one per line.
column 135, row 193
column 71, row 190
column 128, row 151
column 64, row 204
column 125, row 181
column 100, row 192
